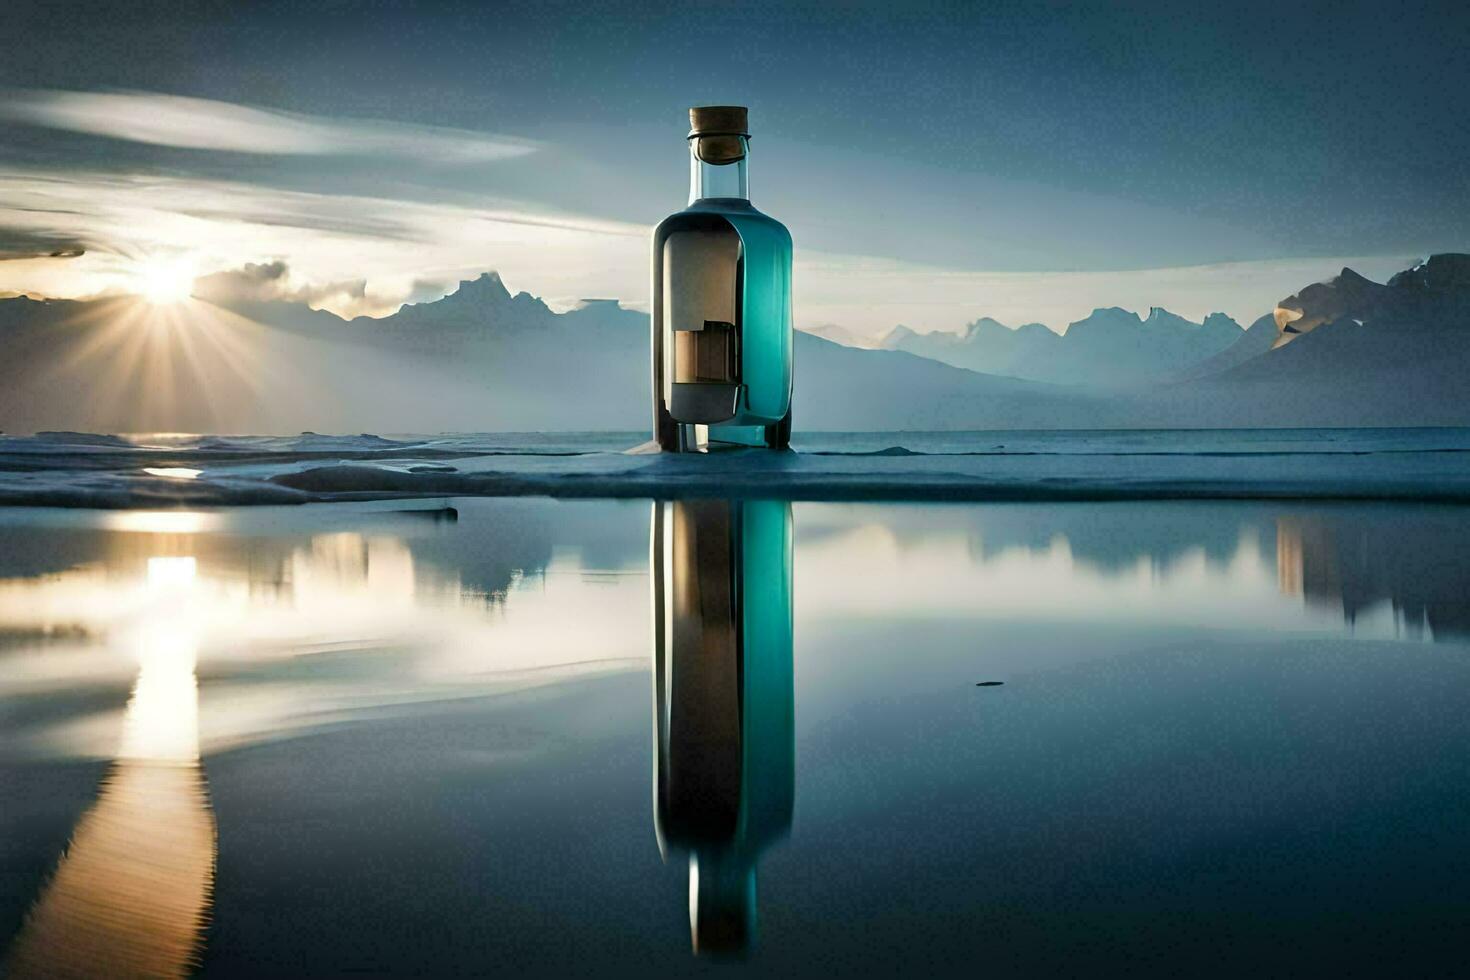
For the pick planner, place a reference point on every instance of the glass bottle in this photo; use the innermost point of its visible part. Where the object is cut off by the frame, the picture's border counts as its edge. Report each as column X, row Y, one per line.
column 722, row 342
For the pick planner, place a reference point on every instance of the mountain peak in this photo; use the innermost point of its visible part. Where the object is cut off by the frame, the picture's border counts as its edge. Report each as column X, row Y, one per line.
column 1163, row 319
column 481, row 307
column 486, row 287
column 1323, row 302
column 982, row 326
column 1105, row 317
column 1445, row 271
column 896, row 337
column 841, row 335
column 1037, row 330
column 1222, row 321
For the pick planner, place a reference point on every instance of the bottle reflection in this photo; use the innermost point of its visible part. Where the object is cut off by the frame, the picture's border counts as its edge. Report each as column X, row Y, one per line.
column 131, row 895
column 724, row 771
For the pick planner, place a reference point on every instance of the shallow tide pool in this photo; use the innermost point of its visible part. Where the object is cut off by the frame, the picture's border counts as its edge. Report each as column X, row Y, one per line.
column 534, row 737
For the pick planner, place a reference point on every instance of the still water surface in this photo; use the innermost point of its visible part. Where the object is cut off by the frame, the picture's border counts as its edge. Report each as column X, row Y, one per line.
column 584, row 737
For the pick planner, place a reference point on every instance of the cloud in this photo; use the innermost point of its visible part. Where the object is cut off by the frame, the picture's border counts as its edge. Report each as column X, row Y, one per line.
column 349, row 253
column 272, row 281
column 17, row 245
column 206, row 124
column 367, row 254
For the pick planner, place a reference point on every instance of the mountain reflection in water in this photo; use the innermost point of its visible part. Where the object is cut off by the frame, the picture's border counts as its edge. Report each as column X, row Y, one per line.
column 159, row 643
column 1348, row 563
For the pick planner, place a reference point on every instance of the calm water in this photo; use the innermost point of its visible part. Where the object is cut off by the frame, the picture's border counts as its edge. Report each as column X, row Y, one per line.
column 496, row 736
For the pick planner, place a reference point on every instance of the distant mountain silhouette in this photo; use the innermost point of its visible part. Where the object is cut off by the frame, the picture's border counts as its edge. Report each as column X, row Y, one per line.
column 477, row 359
column 844, row 388
column 1255, row 340
column 986, row 345
column 485, row 359
column 840, row 335
column 1357, row 352
column 1109, row 348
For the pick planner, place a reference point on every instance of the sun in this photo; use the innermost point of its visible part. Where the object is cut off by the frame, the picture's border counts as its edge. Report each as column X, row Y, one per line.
column 166, row 281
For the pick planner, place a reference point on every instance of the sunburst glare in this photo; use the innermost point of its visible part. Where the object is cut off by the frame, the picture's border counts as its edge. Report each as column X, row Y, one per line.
column 161, row 364
column 164, row 282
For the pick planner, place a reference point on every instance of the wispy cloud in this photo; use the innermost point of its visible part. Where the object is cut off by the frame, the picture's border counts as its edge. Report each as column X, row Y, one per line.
column 19, row 245
column 274, row 281
column 358, row 254
column 350, row 253
column 206, row 124
column 395, row 233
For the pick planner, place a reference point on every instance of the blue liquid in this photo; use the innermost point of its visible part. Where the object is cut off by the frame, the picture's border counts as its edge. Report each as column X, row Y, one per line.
column 765, row 312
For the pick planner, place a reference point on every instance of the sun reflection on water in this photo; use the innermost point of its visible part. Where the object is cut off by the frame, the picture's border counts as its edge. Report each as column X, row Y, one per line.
column 131, row 895
column 173, row 472
column 162, row 521
column 175, row 587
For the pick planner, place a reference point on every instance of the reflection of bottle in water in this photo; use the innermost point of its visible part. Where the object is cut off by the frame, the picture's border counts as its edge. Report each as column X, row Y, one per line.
column 722, row 341
column 725, row 783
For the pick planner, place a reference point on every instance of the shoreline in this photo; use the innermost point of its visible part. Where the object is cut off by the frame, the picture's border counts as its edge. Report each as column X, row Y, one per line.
column 1414, row 475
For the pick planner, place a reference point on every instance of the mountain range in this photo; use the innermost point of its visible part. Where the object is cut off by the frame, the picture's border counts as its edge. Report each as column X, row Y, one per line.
column 1109, row 348
column 1394, row 354
column 1339, row 353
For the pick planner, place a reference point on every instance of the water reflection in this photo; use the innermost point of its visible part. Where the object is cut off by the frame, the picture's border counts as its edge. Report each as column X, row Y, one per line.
column 1391, row 571
column 193, row 635
column 131, row 895
column 723, row 701
column 1343, row 561
column 296, row 622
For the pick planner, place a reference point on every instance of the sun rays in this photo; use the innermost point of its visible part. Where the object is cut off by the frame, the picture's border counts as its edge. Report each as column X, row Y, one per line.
column 163, row 359
column 124, row 365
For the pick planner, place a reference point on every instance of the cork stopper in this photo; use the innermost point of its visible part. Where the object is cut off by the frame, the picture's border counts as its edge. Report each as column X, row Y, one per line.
column 719, row 132
column 719, row 120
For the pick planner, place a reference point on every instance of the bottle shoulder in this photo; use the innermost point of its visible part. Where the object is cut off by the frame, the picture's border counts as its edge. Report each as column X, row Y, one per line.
column 699, row 213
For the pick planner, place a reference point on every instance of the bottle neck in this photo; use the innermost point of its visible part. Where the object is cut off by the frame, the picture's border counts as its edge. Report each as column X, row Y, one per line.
column 717, row 168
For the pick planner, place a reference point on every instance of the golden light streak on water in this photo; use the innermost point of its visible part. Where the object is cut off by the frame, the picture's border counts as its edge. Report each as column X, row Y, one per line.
column 162, row 521
column 131, row 896
column 173, row 472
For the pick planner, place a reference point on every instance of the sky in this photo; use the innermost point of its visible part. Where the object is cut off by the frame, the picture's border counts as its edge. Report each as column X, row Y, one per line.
column 935, row 162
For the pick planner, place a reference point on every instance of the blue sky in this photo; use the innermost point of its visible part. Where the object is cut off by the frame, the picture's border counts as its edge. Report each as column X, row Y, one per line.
column 935, row 163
